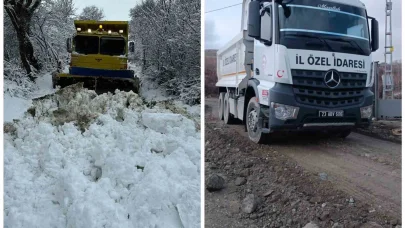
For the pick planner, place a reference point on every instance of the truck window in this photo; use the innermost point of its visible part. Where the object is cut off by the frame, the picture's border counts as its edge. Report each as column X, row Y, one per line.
column 112, row 46
column 343, row 28
column 324, row 22
column 86, row 44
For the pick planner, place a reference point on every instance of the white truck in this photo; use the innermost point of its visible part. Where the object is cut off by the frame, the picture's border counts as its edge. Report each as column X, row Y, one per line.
column 299, row 65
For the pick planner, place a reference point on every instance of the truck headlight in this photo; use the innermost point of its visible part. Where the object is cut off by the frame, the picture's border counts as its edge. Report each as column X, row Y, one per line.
column 366, row 112
column 285, row 112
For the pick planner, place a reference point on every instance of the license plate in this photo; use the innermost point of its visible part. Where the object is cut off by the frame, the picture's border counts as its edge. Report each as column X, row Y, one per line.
column 330, row 113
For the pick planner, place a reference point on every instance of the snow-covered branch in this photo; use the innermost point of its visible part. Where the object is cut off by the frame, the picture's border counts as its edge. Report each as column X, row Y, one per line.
column 167, row 41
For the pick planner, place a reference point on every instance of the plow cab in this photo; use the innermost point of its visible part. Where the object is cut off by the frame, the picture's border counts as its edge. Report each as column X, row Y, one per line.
column 99, row 57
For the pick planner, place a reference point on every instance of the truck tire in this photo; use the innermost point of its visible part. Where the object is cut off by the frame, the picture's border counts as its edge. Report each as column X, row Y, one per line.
column 221, row 106
column 252, row 118
column 228, row 117
column 344, row 133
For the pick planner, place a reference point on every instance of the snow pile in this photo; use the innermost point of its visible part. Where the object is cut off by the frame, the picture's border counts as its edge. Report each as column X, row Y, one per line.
column 74, row 103
column 194, row 110
column 127, row 166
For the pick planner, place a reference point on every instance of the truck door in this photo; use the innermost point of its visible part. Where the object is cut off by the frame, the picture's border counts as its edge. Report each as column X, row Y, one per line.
column 264, row 49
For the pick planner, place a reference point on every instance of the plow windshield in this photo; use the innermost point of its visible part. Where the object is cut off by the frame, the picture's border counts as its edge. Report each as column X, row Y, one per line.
column 86, row 44
column 112, row 46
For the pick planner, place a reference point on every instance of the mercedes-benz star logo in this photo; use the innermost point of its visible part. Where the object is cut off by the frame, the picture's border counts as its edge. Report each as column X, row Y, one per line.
column 332, row 79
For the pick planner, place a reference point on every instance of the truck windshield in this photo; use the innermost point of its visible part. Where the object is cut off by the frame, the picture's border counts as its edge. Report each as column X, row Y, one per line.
column 86, row 44
column 344, row 28
column 112, row 46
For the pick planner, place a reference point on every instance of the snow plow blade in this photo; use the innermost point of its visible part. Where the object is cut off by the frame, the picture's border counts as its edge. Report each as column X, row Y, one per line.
column 100, row 84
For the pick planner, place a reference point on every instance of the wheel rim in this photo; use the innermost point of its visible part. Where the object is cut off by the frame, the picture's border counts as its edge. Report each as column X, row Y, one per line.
column 252, row 120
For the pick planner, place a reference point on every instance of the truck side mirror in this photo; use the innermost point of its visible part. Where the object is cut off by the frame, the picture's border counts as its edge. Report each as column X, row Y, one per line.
column 69, row 45
column 254, row 19
column 374, row 35
column 131, row 46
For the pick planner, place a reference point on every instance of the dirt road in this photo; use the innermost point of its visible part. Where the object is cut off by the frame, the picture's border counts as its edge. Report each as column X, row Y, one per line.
column 361, row 174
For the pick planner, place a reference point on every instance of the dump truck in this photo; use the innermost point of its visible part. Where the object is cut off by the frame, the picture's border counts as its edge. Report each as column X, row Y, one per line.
column 99, row 57
column 299, row 65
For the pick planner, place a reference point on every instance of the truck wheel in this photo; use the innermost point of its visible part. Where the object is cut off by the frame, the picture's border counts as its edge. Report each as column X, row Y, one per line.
column 343, row 134
column 228, row 117
column 252, row 122
column 221, row 106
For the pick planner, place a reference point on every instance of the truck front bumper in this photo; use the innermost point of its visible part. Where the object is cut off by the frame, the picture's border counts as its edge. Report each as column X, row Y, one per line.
column 308, row 117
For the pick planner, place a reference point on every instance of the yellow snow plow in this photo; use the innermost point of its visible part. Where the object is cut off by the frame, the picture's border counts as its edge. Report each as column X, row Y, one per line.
column 99, row 57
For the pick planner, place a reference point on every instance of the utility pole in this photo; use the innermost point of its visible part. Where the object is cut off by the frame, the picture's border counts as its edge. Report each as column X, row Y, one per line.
column 388, row 85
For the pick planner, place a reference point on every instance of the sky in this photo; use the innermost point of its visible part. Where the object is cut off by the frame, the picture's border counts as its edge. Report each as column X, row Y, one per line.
column 223, row 25
column 117, row 10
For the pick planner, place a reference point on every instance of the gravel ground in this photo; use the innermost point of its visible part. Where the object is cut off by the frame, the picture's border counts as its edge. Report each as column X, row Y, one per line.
column 291, row 183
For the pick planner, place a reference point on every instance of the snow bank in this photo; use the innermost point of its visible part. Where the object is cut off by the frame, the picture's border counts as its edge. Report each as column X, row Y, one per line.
column 194, row 110
column 152, row 92
column 18, row 97
column 125, row 169
column 15, row 107
column 149, row 90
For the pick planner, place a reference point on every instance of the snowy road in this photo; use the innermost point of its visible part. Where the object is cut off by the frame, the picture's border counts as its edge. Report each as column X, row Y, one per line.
column 88, row 160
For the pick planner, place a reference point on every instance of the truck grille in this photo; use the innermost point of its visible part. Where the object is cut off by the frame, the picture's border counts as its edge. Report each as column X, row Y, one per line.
column 310, row 89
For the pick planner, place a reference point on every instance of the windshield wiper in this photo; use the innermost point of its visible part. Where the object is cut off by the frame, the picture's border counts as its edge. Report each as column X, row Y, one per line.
column 311, row 36
column 351, row 43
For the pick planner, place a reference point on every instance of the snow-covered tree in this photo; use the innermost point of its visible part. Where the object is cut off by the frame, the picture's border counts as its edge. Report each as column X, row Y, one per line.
column 92, row 13
column 52, row 25
column 37, row 42
column 167, row 45
column 20, row 13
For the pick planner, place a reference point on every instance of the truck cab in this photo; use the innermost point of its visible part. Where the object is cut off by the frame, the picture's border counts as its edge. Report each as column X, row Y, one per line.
column 99, row 56
column 100, row 44
column 299, row 65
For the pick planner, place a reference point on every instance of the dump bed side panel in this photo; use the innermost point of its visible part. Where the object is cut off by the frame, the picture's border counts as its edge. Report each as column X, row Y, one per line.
column 231, row 63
